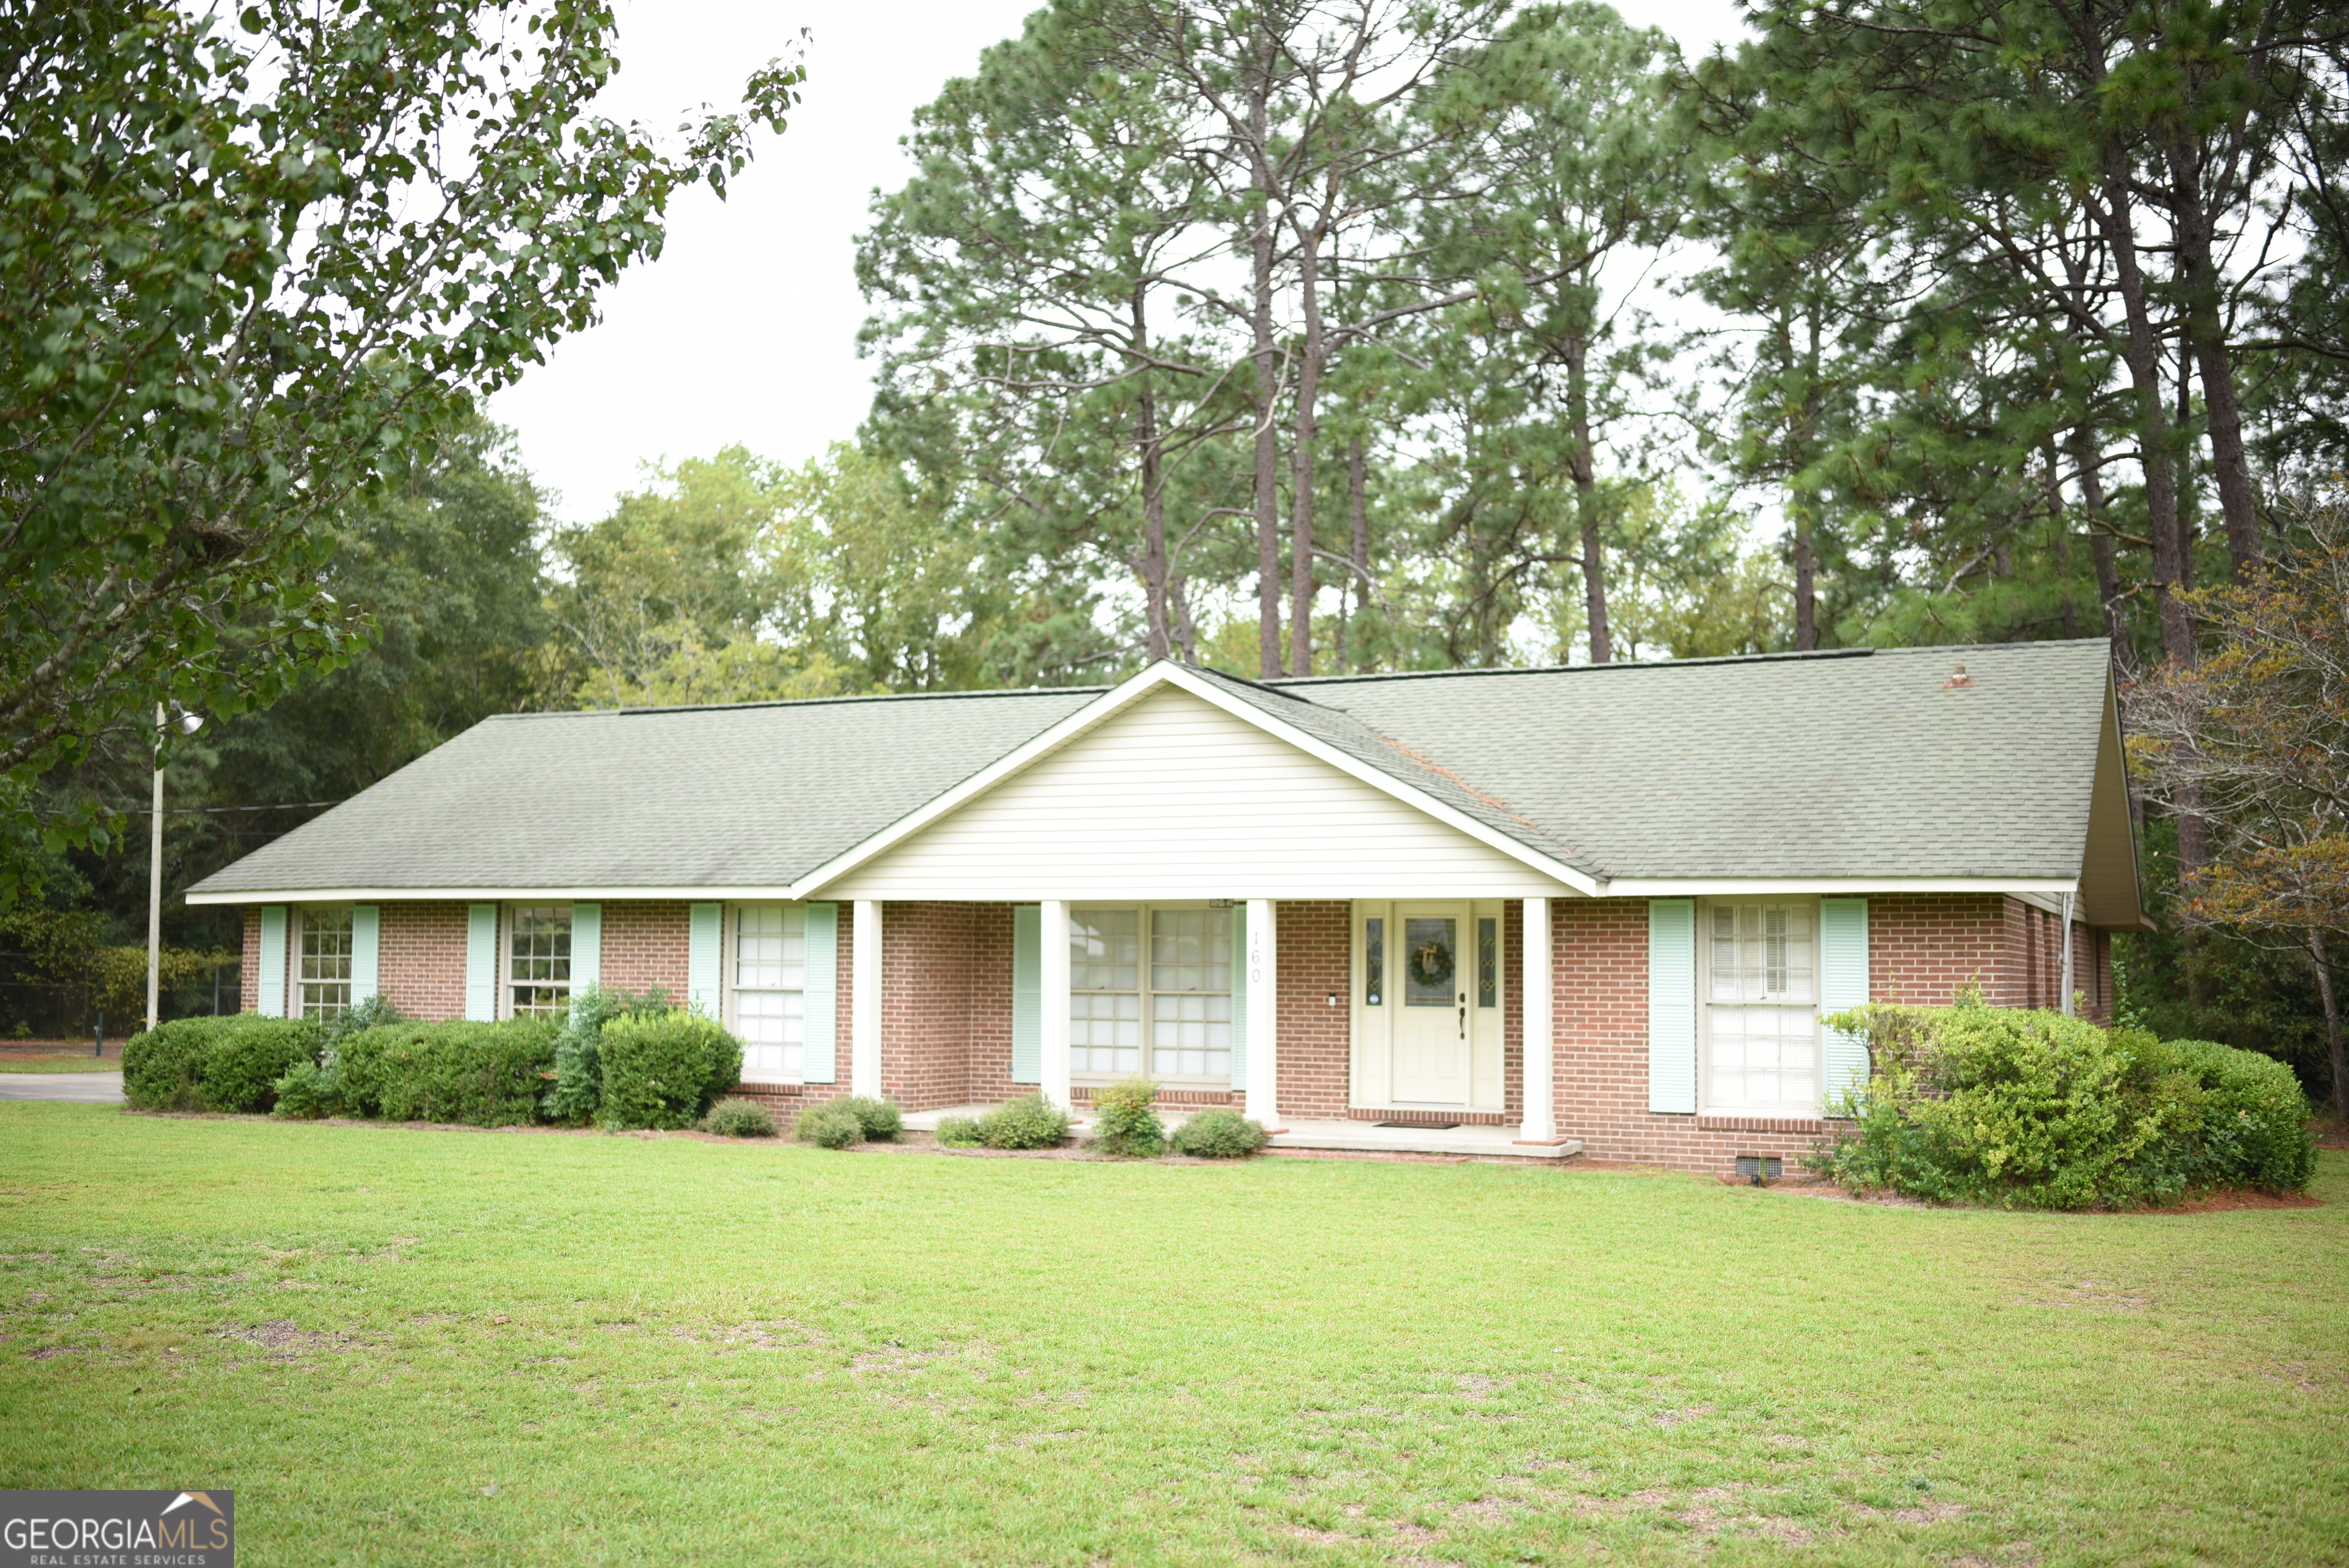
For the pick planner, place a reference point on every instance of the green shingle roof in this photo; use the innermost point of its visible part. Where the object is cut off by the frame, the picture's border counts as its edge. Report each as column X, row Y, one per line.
column 1857, row 764
column 749, row 796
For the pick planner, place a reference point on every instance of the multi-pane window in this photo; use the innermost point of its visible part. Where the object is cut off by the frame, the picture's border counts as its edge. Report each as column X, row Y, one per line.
column 1105, row 990
column 1184, row 991
column 770, row 990
column 326, row 959
column 538, row 959
column 1191, row 993
column 1762, row 991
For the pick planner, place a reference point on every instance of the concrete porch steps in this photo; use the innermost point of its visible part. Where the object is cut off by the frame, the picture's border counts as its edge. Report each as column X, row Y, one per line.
column 1351, row 1137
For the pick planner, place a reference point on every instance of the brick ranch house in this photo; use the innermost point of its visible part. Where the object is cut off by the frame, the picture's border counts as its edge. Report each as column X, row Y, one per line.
column 1597, row 910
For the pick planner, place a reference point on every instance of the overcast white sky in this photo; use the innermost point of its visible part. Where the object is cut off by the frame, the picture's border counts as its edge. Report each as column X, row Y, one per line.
column 745, row 330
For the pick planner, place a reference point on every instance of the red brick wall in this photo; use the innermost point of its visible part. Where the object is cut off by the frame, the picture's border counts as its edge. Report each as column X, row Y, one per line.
column 248, row 975
column 987, row 1056
column 421, row 965
column 1312, row 963
column 926, row 997
column 645, row 942
column 1926, row 948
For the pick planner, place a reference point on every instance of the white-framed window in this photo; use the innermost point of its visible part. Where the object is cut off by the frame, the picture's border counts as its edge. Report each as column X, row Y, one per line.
column 323, row 962
column 767, row 987
column 1150, row 991
column 1762, row 1006
column 538, row 959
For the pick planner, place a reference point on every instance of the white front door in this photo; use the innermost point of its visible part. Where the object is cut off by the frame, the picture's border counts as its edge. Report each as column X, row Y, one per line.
column 1430, row 979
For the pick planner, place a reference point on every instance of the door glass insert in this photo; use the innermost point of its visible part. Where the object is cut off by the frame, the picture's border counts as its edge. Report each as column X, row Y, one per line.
column 1431, row 961
column 1374, row 961
column 1488, row 963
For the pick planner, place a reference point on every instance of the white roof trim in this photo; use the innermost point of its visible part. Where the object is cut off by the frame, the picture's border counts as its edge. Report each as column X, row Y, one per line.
column 1762, row 887
column 489, row 894
column 1119, row 697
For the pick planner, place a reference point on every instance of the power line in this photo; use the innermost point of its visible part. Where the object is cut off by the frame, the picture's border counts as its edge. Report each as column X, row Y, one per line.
column 209, row 810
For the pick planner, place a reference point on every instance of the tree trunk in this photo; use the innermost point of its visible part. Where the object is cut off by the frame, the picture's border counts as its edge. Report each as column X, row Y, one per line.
column 2332, row 1021
column 1300, row 505
column 1153, row 498
column 1586, row 500
column 2141, row 350
column 1806, row 612
column 1268, row 379
column 2100, row 545
column 1358, row 487
column 2206, row 335
column 1186, row 635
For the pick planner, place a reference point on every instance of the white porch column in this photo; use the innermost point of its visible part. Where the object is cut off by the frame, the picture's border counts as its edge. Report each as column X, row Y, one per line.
column 865, row 1014
column 1540, row 1036
column 1053, row 972
column 1263, row 1015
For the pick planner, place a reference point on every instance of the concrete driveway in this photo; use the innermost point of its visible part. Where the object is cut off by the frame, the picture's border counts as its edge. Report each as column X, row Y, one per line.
column 91, row 1088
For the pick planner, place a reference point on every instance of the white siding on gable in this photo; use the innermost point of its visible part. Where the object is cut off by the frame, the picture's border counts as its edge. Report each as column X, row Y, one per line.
column 1173, row 798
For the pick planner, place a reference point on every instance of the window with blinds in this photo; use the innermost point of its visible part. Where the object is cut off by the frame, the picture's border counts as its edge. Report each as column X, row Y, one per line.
column 325, row 958
column 538, row 961
column 769, row 990
column 1170, row 1015
column 1762, row 1014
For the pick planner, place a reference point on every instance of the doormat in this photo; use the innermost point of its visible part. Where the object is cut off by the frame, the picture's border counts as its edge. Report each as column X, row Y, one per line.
column 1419, row 1126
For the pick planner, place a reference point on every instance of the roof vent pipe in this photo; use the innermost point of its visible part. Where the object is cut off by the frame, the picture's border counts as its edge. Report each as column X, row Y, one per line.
column 1958, row 677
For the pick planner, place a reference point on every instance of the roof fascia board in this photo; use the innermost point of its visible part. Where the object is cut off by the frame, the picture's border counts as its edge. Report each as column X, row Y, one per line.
column 1115, row 700
column 1732, row 887
column 483, row 894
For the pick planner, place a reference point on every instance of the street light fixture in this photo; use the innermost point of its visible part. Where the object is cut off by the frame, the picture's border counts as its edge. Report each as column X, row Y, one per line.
column 189, row 724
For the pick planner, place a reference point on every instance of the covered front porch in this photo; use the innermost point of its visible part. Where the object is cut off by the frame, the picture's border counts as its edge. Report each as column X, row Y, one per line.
column 1406, row 1026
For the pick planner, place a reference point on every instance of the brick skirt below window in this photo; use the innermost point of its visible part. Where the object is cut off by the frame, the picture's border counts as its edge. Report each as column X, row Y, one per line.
column 1432, row 1118
column 776, row 1091
column 1804, row 1124
column 1084, row 1094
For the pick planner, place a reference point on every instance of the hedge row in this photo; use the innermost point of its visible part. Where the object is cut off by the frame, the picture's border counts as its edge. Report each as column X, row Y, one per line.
column 230, row 1063
column 2034, row 1109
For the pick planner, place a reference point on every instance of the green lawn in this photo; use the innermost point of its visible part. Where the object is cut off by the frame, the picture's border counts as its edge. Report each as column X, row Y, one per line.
column 419, row 1348
column 83, row 1063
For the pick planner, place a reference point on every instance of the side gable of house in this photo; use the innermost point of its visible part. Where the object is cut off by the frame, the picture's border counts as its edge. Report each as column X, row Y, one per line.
column 1173, row 797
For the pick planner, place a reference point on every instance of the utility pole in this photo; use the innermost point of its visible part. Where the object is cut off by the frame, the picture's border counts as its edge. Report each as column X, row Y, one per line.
column 155, row 881
column 189, row 724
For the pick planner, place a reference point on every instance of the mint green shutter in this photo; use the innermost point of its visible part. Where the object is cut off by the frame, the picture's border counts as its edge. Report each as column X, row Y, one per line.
column 366, row 951
column 820, row 994
column 481, row 962
column 271, row 998
column 586, row 946
column 1027, row 993
column 1843, row 985
column 1671, row 1005
column 703, row 959
column 1239, row 994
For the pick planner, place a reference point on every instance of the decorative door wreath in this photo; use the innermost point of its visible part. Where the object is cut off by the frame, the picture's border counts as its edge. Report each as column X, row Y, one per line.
column 1431, row 965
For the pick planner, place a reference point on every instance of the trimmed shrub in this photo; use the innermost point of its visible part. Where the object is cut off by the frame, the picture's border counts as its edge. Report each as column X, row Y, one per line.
column 578, row 1091
column 1028, row 1122
column 2255, row 1130
column 312, row 1090
column 960, row 1132
column 2018, row 1108
column 665, row 1070
column 1124, row 1122
column 1219, row 1132
column 831, row 1125
column 735, row 1117
column 484, row 1075
column 358, row 1019
column 879, row 1117
column 231, row 1064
